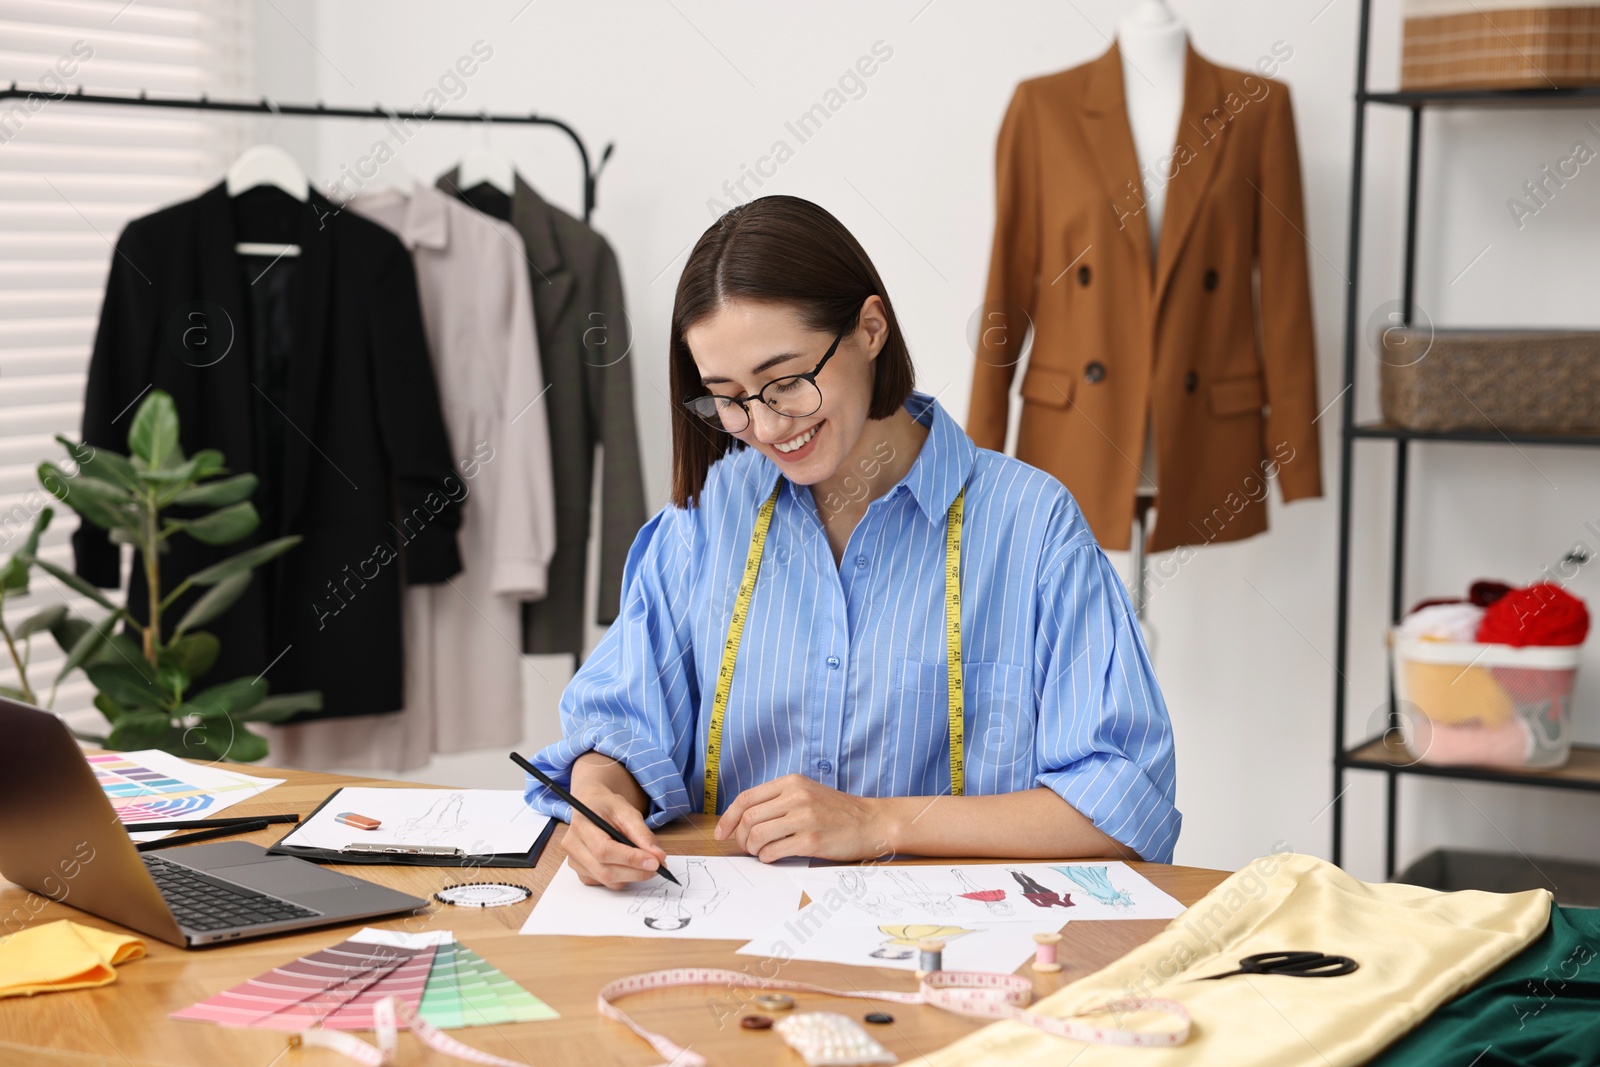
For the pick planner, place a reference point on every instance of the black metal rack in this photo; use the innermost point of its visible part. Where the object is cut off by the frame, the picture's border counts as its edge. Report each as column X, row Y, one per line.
column 264, row 106
column 1383, row 753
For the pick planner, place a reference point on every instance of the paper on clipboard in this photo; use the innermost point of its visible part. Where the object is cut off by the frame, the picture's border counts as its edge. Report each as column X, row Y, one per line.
column 479, row 822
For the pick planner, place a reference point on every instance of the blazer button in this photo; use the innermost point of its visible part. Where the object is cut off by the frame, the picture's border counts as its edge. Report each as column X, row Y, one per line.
column 1083, row 274
column 1210, row 280
column 1191, row 381
column 1094, row 373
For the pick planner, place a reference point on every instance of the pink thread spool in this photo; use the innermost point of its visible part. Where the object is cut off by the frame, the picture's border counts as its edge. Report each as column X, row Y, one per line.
column 1044, row 956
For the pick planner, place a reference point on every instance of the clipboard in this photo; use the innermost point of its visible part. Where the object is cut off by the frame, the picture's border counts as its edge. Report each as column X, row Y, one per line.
column 407, row 859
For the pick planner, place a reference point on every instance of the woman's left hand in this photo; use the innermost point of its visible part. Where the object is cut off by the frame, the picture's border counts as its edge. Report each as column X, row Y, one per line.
column 795, row 816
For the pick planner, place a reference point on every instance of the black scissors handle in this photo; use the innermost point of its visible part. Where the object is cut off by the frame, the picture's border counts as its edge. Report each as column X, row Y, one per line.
column 1292, row 964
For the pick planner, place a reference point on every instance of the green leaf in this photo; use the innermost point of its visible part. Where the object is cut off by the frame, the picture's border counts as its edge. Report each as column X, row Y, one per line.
column 43, row 620
column 230, row 698
column 154, row 437
column 72, row 581
column 13, row 694
column 193, row 653
column 175, row 475
column 208, row 462
column 218, row 598
column 245, row 561
column 68, row 630
column 101, row 503
column 109, row 708
column 222, row 527
column 126, row 685
column 88, row 643
column 15, row 576
column 120, row 648
column 139, row 730
column 101, row 463
column 279, row 708
column 216, row 494
column 234, row 743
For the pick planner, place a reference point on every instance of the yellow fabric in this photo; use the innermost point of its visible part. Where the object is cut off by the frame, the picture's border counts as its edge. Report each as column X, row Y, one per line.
column 1416, row 948
column 1447, row 693
column 62, row 955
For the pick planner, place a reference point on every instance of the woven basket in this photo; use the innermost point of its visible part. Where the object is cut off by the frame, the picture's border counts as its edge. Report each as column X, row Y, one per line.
column 1528, row 381
column 1500, row 44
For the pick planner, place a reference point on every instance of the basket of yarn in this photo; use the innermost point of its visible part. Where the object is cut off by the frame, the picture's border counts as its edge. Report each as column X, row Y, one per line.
column 1488, row 680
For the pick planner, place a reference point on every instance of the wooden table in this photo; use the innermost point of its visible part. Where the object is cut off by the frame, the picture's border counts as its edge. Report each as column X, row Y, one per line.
column 125, row 1023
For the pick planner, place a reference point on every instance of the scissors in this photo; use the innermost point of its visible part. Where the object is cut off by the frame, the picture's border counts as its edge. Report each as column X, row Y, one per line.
column 1292, row 964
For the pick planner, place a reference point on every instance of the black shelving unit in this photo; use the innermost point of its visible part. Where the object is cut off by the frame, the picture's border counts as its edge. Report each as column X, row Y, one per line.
column 1383, row 753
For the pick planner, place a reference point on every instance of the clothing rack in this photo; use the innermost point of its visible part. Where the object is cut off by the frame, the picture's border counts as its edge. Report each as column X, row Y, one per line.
column 264, row 106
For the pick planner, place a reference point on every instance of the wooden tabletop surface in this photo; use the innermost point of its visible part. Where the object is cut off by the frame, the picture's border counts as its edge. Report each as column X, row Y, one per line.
column 125, row 1023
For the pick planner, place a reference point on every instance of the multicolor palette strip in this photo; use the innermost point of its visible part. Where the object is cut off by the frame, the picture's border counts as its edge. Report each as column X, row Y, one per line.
column 337, row 988
column 127, row 783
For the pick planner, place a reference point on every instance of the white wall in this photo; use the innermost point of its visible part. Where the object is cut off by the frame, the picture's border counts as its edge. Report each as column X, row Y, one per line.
column 692, row 91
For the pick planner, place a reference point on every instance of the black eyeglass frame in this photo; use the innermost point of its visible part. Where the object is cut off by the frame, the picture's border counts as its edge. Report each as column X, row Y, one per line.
column 720, row 402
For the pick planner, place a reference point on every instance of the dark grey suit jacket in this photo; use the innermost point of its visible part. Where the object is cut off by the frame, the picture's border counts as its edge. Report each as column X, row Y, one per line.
column 584, row 345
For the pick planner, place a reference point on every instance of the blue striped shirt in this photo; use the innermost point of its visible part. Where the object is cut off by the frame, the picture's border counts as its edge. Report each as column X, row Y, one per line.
column 841, row 673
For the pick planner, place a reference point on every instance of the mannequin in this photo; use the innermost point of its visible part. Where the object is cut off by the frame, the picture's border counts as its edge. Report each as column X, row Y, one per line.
column 1154, row 49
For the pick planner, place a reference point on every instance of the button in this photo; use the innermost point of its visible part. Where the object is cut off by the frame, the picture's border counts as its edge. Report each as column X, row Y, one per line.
column 774, row 1001
column 1190, row 382
column 825, row 766
column 1210, row 280
column 756, row 1022
column 879, row 1017
column 861, row 561
column 1083, row 274
column 1095, row 372
column 833, row 663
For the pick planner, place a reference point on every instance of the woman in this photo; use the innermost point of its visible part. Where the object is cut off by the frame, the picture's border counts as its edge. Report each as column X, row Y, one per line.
column 782, row 656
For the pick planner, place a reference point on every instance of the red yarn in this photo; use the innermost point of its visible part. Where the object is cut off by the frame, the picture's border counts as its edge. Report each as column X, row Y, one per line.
column 1541, row 614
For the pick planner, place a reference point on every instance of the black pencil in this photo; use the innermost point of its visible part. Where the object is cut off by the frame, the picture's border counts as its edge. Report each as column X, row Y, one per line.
column 202, row 835
column 206, row 824
column 583, row 809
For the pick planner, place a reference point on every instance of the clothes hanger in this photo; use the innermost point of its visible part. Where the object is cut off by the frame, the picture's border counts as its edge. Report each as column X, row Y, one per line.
column 485, row 165
column 267, row 164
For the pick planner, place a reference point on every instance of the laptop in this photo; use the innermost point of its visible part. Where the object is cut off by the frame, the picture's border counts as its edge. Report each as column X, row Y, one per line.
column 61, row 838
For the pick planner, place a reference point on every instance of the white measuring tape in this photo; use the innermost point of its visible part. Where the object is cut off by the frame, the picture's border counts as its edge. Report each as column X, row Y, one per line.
column 986, row 996
column 973, row 993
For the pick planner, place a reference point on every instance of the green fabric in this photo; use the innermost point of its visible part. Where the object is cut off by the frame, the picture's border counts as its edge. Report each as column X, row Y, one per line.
column 1542, row 1009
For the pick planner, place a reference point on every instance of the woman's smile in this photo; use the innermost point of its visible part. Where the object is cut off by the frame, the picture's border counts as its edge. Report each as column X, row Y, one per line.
column 799, row 446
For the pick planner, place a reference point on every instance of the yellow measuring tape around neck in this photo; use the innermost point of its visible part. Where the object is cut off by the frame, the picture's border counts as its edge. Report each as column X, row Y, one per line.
column 741, row 611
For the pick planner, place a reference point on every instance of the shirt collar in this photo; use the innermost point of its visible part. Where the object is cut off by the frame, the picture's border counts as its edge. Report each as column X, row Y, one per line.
column 936, row 475
column 420, row 220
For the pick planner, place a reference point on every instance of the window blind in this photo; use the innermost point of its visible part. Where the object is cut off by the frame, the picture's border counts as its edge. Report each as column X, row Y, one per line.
column 71, row 176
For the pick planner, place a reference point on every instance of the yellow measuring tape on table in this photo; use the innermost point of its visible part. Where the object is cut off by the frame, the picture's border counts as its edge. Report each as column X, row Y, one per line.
column 741, row 612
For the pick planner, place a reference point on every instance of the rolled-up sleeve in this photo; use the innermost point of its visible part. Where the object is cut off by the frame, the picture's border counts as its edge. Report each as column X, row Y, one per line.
column 634, row 699
column 1104, row 739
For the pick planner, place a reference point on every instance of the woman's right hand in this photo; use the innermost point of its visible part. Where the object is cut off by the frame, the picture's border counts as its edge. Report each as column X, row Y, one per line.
column 596, row 858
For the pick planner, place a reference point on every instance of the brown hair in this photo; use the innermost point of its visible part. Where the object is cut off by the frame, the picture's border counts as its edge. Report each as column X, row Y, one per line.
column 782, row 250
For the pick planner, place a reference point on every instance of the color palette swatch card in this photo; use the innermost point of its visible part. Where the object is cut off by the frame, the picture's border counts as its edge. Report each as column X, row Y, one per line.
column 154, row 786
column 464, row 989
column 336, row 988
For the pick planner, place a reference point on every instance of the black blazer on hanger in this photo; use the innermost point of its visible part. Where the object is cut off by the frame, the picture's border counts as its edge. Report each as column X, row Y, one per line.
column 364, row 473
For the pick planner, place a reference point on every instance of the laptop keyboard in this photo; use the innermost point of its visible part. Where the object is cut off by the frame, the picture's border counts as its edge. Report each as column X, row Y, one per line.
column 202, row 903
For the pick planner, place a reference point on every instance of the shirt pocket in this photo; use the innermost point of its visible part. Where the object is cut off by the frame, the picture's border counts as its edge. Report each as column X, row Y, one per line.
column 1000, row 723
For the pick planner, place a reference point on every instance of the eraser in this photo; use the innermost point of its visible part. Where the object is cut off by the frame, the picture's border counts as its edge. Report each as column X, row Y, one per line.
column 360, row 822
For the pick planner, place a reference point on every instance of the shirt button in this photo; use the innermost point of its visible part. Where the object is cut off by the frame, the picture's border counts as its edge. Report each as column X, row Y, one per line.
column 833, row 663
column 861, row 561
column 1095, row 372
column 1210, row 280
column 1191, row 381
column 1084, row 274
column 824, row 766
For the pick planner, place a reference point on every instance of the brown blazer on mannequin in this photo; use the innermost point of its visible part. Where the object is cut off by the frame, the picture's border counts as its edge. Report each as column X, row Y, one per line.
column 1229, row 379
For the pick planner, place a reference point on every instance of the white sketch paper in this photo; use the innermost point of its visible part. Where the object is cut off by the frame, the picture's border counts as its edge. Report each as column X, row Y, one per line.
column 818, row 932
column 480, row 822
column 983, row 894
column 732, row 897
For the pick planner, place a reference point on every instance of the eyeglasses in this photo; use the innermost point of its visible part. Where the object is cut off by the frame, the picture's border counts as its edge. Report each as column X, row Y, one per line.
column 794, row 396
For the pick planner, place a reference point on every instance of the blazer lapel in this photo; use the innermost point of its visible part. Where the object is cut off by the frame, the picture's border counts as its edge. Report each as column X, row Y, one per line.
column 227, row 352
column 312, row 283
column 551, row 280
column 1104, row 113
column 1200, row 143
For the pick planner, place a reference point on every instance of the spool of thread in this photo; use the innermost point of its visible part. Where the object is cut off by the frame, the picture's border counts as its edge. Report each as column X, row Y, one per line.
column 1044, row 955
column 930, row 956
